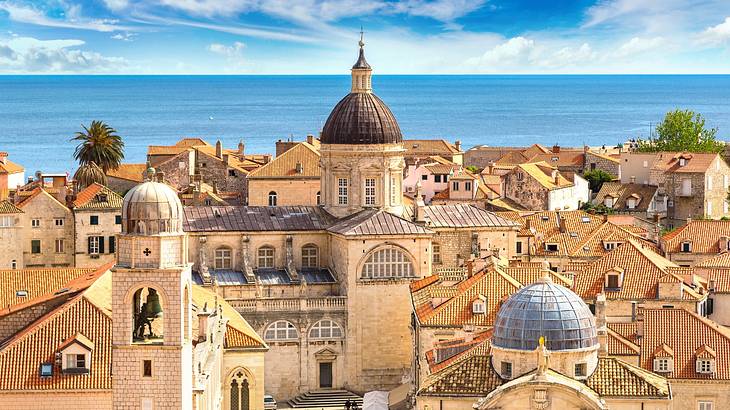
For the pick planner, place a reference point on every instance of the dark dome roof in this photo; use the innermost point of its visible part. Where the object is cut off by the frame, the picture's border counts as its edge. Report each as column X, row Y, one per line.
column 544, row 309
column 361, row 118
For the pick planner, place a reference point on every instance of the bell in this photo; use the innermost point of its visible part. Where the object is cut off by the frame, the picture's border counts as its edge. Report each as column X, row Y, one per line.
column 153, row 307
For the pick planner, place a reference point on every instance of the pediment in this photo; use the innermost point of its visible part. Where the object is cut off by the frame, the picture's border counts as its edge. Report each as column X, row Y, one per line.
column 326, row 354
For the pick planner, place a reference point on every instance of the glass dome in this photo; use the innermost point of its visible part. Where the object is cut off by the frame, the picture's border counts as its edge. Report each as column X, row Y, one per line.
column 544, row 309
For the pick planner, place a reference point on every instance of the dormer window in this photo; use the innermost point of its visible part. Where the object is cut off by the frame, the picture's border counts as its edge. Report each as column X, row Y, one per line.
column 610, row 245
column 520, row 176
column 608, row 201
column 682, row 162
column 551, row 247
column 663, row 365
column 479, row 306
column 686, row 246
column 75, row 354
column 705, row 366
column 614, row 279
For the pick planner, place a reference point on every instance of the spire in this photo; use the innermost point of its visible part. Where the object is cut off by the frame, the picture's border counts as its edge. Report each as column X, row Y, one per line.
column 361, row 71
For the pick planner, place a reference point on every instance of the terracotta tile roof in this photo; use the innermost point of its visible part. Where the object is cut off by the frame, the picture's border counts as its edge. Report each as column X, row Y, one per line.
column 255, row 218
column 720, row 261
column 472, row 376
column 35, row 282
column 90, row 198
column 376, row 222
column 535, row 149
column 22, row 355
column 621, row 346
column 10, row 167
column 460, row 348
column 720, row 278
column 695, row 162
column 622, row 192
column 7, row 207
column 442, row 169
column 626, row 330
column 285, row 165
column 463, row 216
column 593, row 244
column 642, row 271
column 191, row 142
column 38, row 192
column 239, row 334
column 605, row 156
column 165, row 150
column 542, row 173
column 564, row 158
column 129, row 172
column 512, row 158
column 429, row 147
column 506, row 205
column 244, row 164
column 616, row 378
column 704, row 235
column 671, row 327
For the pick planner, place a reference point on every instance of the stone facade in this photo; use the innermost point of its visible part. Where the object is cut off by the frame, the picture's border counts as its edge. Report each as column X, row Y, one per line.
column 96, row 400
column 52, row 231
column 11, row 234
column 288, row 191
column 178, row 169
column 215, row 171
column 108, row 224
column 602, row 162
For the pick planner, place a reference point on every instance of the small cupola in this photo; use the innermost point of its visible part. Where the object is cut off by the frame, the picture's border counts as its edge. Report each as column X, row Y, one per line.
column 361, row 71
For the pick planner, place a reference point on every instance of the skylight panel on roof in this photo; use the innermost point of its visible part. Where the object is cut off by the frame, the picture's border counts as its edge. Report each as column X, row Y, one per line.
column 545, row 218
column 21, row 293
column 585, row 219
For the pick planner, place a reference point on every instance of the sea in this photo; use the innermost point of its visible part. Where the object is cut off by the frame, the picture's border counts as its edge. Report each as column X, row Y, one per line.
column 40, row 114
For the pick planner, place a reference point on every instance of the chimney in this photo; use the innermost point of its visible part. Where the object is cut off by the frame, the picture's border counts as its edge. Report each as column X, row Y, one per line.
column 586, row 149
column 528, row 224
column 689, row 220
column 640, row 323
column 601, row 325
column 310, row 139
column 561, row 224
column 556, row 149
column 225, row 159
column 203, row 317
column 723, row 244
column 219, row 149
column 457, row 143
column 267, row 158
column 3, row 157
column 633, row 179
column 556, row 177
column 418, row 204
column 241, row 146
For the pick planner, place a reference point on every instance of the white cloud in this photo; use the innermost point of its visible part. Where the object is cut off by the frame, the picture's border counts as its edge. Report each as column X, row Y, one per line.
column 31, row 55
column 568, row 57
column 639, row 45
column 73, row 20
column 515, row 51
column 124, row 36
column 441, row 10
column 716, row 35
column 234, row 51
column 116, row 5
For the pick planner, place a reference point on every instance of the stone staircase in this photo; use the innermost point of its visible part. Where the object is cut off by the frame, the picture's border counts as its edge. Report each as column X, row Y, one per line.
column 330, row 399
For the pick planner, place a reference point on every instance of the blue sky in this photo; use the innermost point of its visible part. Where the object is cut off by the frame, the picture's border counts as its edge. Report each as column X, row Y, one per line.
column 402, row 36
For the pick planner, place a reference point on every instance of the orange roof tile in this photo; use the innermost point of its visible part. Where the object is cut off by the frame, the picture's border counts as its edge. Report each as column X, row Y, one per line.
column 302, row 155
column 129, row 172
column 7, row 207
column 720, row 261
column 621, row 346
column 429, row 147
column 10, row 167
column 89, row 198
column 35, row 282
column 704, row 236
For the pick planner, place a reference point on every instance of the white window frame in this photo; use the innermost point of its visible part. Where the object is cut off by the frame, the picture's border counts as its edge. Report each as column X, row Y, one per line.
column 265, row 257
column 72, row 361
column 281, row 330
column 342, row 191
column 223, row 258
column 687, row 248
column 709, row 182
column 310, row 256
column 705, row 366
column 369, row 189
column 663, row 365
column 326, row 329
column 387, row 263
column 35, row 223
column 7, row 221
column 94, row 245
column 705, row 405
column 478, row 307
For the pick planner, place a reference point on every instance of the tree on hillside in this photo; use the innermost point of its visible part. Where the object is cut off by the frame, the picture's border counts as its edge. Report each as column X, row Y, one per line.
column 100, row 144
column 682, row 130
column 596, row 178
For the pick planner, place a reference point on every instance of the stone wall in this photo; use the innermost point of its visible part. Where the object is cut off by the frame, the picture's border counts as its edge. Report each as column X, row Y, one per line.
column 252, row 364
column 10, row 240
column 46, row 209
column 294, row 191
column 107, row 228
column 178, row 169
column 60, row 400
column 593, row 161
column 687, row 393
column 215, row 172
column 529, row 193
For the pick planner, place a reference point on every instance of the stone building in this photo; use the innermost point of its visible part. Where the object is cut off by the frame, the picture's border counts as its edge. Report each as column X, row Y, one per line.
column 635, row 199
column 419, row 150
column 539, row 186
column 47, row 230
column 291, row 178
column 11, row 234
column 432, row 173
column 125, row 177
column 97, row 213
column 696, row 241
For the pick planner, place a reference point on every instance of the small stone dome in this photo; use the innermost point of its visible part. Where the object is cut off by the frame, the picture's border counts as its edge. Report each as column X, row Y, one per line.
column 152, row 208
column 545, row 309
column 361, row 118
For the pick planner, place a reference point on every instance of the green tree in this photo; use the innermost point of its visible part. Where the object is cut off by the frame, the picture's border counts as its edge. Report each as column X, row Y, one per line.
column 682, row 130
column 596, row 178
column 473, row 169
column 88, row 174
column 100, row 144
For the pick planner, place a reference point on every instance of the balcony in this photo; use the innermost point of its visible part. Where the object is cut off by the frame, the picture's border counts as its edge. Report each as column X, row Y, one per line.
column 316, row 304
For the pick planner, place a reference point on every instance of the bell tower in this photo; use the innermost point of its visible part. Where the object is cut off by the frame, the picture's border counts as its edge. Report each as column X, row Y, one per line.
column 151, row 306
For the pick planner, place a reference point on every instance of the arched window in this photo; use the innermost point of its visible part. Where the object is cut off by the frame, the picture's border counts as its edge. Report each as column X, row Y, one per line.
column 223, row 258
column 310, row 256
column 387, row 263
column 147, row 317
column 325, row 329
column 272, row 198
column 266, row 257
column 281, row 330
column 240, row 392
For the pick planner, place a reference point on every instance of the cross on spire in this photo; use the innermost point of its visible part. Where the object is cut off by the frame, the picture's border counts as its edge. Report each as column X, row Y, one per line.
column 362, row 37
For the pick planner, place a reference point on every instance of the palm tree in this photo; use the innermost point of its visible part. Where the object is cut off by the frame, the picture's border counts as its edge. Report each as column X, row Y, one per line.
column 88, row 174
column 100, row 144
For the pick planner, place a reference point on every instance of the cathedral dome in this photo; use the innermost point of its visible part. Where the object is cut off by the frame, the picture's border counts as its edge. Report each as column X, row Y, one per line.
column 361, row 118
column 151, row 208
column 545, row 309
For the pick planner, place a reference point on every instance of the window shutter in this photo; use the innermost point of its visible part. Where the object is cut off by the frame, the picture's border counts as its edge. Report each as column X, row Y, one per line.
column 112, row 244
column 712, row 366
column 101, row 244
column 670, row 365
column 697, row 366
column 656, row 364
column 88, row 250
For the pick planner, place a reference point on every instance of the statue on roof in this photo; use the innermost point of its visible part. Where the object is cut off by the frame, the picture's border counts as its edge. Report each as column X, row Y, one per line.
column 543, row 357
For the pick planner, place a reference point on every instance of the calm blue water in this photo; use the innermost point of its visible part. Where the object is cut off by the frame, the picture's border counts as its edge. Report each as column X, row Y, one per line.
column 38, row 114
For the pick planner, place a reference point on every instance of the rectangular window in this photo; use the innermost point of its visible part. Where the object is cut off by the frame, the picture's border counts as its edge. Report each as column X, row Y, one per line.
column 35, row 246
column 506, row 370
column 437, row 178
column 686, row 187
column 518, row 247
column 94, row 220
column 686, row 247
column 467, row 186
column 146, row 368
column 661, row 365
column 709, row 208
column 369, row 191
column 581, row 369
column 35, row 223
column 342, row 184
column 436, row 253
column 112, row 244
column 424, row 177
column 58, row 221
column 6, row 221
column 551, row 247
column 75, row 361
column 231, row 172
column 309, row 257
column 46, row 370
column 709, row 182
column 612, row 282
column 94, row 245
column 393, row 191
column 118, row 219
column 705, row 405
column 456, row 186
column 266, row 257
column 59, row 246
column 223, row 258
